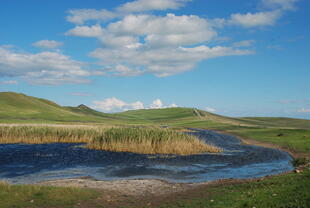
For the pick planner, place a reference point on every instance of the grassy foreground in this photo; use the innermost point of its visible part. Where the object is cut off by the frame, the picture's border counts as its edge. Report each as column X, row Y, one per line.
column 20, row 196
column 145, row 140
column 286, row 191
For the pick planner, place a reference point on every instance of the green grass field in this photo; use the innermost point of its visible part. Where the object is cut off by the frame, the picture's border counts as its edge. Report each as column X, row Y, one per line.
column 289, row 190
column 21, row 196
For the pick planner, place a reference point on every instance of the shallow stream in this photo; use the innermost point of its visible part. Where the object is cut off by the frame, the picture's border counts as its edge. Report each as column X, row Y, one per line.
column 23, row 164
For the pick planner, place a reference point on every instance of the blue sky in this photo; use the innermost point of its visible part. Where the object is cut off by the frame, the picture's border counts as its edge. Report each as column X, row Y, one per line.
column 235, row 58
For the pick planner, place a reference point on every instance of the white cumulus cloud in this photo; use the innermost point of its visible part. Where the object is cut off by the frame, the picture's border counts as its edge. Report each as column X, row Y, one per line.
column 255, row 19
column 162, row 61
column 158, row 45
column 173, row 105
column 86, row 31
column 280, row 4
column 209, row 109
column 116, row 105
column 80, row 16
column 47, row 44
column 42, row 68
column 274, row 10
column 148, row 5
column 167, row 30
column 156, row 104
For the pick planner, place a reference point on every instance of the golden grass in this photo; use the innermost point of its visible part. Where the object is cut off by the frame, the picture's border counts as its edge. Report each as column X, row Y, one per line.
column 150, row 141
column 118, row 139
column 38, row 134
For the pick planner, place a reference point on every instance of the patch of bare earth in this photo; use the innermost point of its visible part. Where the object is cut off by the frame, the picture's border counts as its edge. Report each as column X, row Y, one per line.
column 126, row 193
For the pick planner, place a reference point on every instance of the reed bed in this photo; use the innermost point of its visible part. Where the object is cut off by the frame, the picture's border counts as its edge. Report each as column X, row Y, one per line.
column 38, row 134
column 150, row 141
column 144, row 140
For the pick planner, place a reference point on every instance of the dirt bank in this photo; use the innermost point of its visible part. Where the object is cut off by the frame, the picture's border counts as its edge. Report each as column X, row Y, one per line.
column 139, row 187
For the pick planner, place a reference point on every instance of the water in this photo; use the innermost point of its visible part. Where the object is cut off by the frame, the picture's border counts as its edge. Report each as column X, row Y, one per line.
column 24, row 164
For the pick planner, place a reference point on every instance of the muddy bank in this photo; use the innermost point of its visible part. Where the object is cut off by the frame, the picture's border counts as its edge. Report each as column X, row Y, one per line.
column 135, row 187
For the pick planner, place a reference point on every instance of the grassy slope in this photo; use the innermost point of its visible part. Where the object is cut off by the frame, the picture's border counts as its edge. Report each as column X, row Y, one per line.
column 294, row 140
column 178, row 117
column 277, row 122
column 16, row 108
column 21, row 108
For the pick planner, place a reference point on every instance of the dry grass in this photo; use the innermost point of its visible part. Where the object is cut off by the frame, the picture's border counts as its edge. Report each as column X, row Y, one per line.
column 37, row 134
column 118, row 139
column 150, row 141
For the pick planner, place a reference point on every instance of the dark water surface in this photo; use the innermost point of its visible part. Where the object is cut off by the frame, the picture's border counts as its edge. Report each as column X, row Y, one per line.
column 21, row 163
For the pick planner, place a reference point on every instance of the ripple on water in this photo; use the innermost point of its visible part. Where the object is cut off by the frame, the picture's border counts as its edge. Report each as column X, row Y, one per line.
column 21, row 163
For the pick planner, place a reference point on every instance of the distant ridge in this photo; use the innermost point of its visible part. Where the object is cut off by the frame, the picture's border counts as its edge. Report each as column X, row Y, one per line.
column 17, row 107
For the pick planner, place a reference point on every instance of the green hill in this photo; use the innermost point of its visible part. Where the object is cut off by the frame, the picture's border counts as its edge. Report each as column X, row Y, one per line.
column 277, row 122
column 16, row 108
column 83, row 109
column 177, row 117
column 23, row 108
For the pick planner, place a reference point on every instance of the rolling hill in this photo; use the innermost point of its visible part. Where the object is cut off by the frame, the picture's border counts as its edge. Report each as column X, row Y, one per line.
column 17, row 108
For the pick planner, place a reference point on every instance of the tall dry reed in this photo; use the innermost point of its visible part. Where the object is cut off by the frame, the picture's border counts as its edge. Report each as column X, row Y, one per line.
column 150, row 141
column 120, row 139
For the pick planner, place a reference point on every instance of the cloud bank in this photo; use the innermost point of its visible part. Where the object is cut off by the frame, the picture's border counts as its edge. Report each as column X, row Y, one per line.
column 114, row 104
column 134, row 41
column 42, row 68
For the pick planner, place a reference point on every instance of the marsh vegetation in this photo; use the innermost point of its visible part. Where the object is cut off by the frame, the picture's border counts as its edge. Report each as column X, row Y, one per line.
column 145, row 140
column 150, row 141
